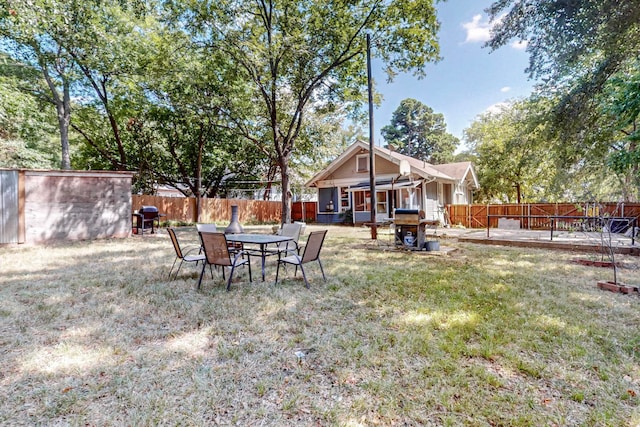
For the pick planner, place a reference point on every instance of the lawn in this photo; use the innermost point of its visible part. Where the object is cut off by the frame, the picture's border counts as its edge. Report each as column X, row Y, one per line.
column 93, row 333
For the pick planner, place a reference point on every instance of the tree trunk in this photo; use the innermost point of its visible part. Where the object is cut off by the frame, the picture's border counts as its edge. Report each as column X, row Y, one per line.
column 63, row 108
column 286, row 190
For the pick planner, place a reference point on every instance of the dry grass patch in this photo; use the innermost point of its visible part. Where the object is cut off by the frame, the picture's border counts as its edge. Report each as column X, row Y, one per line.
column 94, row 333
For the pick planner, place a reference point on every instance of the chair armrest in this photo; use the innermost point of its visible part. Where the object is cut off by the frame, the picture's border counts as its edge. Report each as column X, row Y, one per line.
column 292, row 252
column 191, row 248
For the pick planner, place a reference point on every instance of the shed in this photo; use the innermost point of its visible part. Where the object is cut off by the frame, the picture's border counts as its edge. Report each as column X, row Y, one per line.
column 38, row 206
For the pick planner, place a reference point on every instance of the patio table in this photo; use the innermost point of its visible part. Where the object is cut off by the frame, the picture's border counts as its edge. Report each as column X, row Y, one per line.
column 262, row 240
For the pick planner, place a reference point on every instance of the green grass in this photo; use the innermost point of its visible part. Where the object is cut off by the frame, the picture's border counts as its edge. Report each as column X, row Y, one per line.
column 94, row 333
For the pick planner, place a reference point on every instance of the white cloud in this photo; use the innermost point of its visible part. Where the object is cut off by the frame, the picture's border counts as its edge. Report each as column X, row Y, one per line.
column 478, row 30
column 505, row 89
column 519, row 44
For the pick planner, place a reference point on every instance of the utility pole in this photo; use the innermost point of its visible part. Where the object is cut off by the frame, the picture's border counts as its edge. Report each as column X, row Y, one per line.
column 372, row 163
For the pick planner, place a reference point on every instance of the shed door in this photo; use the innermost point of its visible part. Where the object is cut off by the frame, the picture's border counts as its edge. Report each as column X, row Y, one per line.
column 8, row 207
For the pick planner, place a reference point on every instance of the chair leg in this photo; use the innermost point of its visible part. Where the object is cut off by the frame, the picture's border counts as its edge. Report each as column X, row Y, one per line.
column 173, row 265
column 233, row 267
column 322, row 270
column 277, row 270
column 249, row 265
column 304, row 276
column 179, row 267
column 204, row 265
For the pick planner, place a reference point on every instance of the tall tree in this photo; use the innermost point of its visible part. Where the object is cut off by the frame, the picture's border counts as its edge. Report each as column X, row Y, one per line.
column 512, row 157
column 417, row 131
column 578, row 50
column 302, row 55
column 32, row 32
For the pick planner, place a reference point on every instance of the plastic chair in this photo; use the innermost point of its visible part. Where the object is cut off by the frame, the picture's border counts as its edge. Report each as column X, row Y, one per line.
column 216, row 252
column 182, row 255
column 311, row 253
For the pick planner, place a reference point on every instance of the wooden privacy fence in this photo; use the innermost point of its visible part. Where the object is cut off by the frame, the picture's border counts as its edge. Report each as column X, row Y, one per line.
column 304, row 211
column 534, row 215
column 212, row 210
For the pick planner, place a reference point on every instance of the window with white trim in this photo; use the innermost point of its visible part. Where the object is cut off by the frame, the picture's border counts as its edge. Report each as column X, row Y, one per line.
column 345, row 200
column 362, row 201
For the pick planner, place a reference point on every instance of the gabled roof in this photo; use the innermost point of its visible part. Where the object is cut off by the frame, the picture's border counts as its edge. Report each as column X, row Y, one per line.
column 418, row 167
column 460, row 171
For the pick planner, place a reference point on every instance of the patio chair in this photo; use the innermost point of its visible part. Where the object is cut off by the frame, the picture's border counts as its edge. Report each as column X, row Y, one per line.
column 311, row 253
column 216, row 252
column 290, row 230
column 209, row 228
column 181, row 254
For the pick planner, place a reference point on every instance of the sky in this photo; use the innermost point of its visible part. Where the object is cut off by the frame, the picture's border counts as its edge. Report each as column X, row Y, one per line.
column 468, row 81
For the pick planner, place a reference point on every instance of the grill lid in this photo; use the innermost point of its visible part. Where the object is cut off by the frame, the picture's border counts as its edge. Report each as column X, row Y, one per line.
column 148, row 209
column 407, row 211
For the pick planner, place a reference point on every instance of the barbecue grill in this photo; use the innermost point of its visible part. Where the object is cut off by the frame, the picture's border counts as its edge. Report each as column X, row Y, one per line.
column 410, row 228
column 146, row 217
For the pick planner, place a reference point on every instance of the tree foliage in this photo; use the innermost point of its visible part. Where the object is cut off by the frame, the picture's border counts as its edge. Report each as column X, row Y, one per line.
column 585, row 54
column 300, row 56
column 513, row 162
column 176, row 89
column 417, row 131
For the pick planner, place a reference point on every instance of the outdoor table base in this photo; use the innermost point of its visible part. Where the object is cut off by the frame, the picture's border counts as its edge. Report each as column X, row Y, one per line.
column 261, row 240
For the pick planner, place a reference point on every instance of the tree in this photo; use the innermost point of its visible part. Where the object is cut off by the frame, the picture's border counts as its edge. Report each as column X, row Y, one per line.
column 34, row 33
column 513, row 158
column 302, row 55
column 27, row 131
column 580, row 50
column 417, row 131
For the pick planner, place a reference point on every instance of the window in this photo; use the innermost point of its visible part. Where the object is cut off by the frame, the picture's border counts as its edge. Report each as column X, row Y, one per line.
column 381, row 202
column 362, row 201
column 362, row 163
column 345, row 201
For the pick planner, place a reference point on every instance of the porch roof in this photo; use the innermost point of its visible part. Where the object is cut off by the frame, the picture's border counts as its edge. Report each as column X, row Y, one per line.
column 386, row 184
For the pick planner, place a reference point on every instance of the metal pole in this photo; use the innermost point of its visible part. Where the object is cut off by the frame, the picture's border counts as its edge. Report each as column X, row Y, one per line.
column 488, row 219
column 372, row 164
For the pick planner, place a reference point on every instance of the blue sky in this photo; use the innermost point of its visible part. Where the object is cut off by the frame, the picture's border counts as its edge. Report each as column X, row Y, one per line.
column 468, row 80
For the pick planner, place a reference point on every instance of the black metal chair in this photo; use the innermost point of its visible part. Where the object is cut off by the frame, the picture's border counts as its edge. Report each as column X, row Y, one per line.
column 181, row 254
column 216, row 252
column 311, row 253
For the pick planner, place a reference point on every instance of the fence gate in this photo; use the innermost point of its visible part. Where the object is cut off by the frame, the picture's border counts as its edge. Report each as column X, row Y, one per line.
column 8, row 206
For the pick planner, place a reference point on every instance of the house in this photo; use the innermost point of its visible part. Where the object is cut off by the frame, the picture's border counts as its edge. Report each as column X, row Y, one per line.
column 402, row 182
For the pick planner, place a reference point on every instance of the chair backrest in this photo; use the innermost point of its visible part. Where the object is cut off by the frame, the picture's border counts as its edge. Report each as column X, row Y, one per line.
column 209, row 228
column 174, row 240
column 291, row 230
column 215, row 248
column 313, row 246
